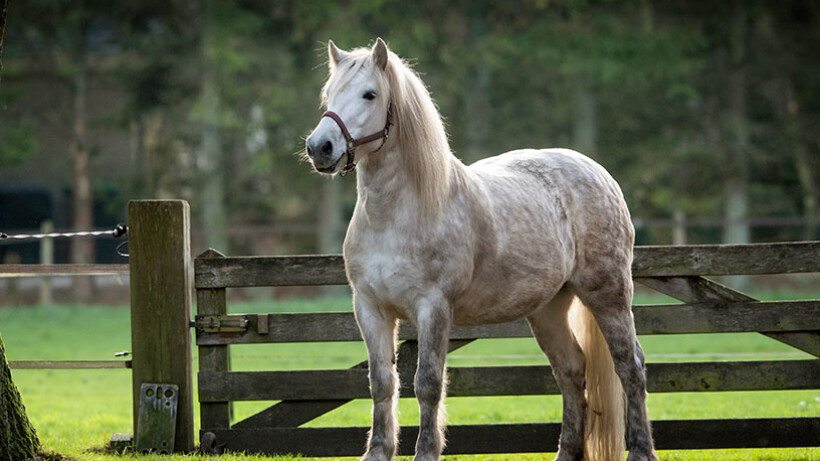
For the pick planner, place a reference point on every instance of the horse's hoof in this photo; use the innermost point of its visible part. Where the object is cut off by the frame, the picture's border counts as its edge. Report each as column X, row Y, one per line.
column 367, row 457
column 564, row 455
column 375, row 455
column 567, row 456
column 642, row 456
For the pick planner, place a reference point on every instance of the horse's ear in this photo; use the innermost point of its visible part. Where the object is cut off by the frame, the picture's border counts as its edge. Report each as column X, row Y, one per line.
column 379, row 53
column 334, row 54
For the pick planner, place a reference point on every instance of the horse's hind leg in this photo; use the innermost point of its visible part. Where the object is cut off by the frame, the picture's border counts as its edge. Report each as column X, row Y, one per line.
column 551, row 329
column 609, row 296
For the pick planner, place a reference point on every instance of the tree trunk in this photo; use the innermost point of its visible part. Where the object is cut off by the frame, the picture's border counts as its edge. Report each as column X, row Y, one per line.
column 18, row 440
column 82, row 249
column 330, row 226
column 584, row 117
column 477, row 125
column 786, row 105
column 736, row 228
column 477, row 87
column 213, row 190
column 4, row 10
column 329, row 221
column 679, row 229
column 808, row 184
column 803, row 164
column 150, row 163
column 647, row 15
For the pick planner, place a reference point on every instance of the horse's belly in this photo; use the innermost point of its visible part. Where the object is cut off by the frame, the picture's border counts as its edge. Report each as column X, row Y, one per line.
column 534, row 262
column 506, row 297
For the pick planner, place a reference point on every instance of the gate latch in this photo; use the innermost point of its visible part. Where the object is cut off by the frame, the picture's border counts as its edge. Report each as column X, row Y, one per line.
column 213, row 323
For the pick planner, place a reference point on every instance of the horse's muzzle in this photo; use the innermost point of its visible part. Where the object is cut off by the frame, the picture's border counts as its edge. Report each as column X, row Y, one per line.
column 322, row 156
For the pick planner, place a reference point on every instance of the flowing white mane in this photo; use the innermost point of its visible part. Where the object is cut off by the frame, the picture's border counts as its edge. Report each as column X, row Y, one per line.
column 417, row 136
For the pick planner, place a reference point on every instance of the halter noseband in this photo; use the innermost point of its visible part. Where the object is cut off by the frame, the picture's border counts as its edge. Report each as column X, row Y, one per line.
column 353, row 143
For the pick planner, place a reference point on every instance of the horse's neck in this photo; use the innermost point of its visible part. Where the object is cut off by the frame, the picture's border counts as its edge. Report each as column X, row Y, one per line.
column 383, row 195
column 386, row 196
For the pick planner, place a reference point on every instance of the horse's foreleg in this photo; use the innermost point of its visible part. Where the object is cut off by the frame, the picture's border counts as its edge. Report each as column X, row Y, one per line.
column 551, row 329
column 379, row 333
column 434, row 322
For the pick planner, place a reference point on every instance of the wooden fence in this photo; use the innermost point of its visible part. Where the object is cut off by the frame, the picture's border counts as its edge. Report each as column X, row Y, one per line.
column 676, row 271
column 161, row 277
column 160, row 280
column 15, row 271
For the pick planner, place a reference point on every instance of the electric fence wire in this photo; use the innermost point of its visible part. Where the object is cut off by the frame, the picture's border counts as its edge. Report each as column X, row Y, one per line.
column 118, row 231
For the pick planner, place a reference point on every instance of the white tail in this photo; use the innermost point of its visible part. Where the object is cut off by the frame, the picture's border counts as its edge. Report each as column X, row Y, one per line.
column 605, row 422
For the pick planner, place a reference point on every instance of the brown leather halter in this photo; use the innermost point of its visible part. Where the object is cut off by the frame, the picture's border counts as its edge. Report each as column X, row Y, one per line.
column 353, row 143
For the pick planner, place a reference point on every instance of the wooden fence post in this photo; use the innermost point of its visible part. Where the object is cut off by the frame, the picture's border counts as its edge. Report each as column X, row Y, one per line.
column 161, row 283
column 213, row 415
column 46, row 257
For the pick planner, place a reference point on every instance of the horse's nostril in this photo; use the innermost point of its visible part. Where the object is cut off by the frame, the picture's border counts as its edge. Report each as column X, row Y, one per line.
column 327, row 148
column 309, row 149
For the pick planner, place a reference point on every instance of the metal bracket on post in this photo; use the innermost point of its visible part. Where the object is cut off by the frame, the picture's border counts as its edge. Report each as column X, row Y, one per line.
column 156, row 426
column 214, row 323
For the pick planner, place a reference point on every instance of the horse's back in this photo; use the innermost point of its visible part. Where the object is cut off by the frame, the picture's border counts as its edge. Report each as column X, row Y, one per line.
column 552, row 174
column 551, row 167
column 565, row 193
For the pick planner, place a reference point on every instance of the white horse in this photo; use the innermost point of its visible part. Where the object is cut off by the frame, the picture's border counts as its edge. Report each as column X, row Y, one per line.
column 530, row 233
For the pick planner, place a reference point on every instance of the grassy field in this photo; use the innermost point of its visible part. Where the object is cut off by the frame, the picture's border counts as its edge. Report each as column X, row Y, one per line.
column 75, row 412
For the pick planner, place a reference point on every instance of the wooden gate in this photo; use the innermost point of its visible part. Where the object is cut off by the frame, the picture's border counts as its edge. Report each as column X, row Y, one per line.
column 675, row 271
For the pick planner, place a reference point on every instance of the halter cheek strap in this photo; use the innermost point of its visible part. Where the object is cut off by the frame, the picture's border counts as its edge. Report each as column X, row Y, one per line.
column 353, row 143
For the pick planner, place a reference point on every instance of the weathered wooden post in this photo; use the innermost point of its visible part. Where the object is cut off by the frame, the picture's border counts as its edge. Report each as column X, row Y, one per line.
column 159, row 245
column 213, row 415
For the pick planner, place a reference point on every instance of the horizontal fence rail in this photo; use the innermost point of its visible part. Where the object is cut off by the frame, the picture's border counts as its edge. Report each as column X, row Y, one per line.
column 716, row 260
column 42, row 270
column 716, row 317
column 525, row 438
column 68, row 364
column 650, row 261
column 261, row 271
column 504, row 380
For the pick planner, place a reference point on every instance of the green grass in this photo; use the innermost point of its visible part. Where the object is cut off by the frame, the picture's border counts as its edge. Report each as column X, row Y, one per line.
column 75, row 412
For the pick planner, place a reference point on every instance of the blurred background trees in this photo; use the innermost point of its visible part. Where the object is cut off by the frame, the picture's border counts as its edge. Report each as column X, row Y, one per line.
column 706, row 113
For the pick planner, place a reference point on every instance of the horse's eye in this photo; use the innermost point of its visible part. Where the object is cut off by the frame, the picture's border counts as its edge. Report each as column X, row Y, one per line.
column 370, row 95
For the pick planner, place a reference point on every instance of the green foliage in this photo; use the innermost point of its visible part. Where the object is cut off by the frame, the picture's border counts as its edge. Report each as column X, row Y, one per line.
column 504, row 75
column 18, row 143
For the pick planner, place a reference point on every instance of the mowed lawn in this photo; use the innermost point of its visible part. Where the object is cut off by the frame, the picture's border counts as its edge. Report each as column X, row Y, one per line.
column 76, row 411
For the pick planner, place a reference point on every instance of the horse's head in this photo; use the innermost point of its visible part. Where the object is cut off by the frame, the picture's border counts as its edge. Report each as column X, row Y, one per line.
column 357, row 100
